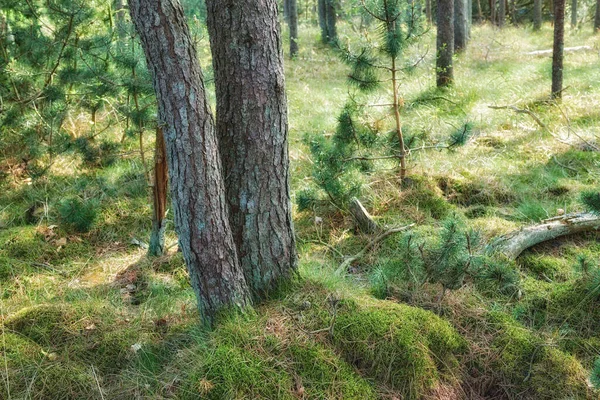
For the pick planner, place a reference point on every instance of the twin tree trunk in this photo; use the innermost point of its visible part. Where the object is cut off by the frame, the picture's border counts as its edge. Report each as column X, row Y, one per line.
column 327, row 20
column 445, row 42
column 232, row 210
column 557, row 52
column 252, row 129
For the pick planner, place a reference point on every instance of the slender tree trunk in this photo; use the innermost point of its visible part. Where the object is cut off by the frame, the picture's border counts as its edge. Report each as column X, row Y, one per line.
column 479, row 12
column 460, row 25
column 120, row 19
column 537, row 14
column 445, row 42
column 331, row 20
column 293, row 24
column 428, row 13
column 493, row 15
column 557, row 52
column 573, row 13
column 252, row 128
column 469, row 18
column 197, row 189
column 156, row 246
column 597, row 17
column 513, row 12
column 501, row 13
column 286, row 10
column 396, row 105
column 322, row 8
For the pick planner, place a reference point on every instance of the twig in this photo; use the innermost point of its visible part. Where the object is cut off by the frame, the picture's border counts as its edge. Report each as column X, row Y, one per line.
column 563, row 165
column 348, row 261
column 521, row 111
column 97, row 382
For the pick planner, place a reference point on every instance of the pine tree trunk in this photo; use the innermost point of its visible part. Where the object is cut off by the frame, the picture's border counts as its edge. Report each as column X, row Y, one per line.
column 501, row 13
column 493, row 19
column 573, row 13
column 469, row 18
column 597, row 18
column 460, row 25
column 445, row 42
column 252, row 128
column 331, row 21
column 286, row 10
column 557, row 52
column 293, row 24
column 156, row 247
column 197, row 189
column 537, row 14
column 428, row 13
column 322, row 8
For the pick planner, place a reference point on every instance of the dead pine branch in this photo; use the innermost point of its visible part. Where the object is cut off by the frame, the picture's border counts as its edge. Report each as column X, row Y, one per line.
column 378, row 239
column 521, row 111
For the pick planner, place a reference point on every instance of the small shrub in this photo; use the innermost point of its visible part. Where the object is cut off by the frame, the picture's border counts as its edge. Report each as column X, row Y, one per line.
column 78, row 215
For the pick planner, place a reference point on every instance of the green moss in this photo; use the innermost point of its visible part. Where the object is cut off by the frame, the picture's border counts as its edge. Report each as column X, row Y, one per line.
column 424, row 196
column 547, row 267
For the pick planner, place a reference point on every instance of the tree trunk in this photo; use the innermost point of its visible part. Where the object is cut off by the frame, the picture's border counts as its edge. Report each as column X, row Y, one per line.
column 460, row 25
column 428, row 13
column 197, row 188
column 493, row 19
column 322, row 8
column 597, row 18
column 293, row 24
column 286, row 10
column 363, row 220
column 120, row 19
column 537, row 14
column 469, row 15
column 331, row 21
column 501, row 13
column 557, row 52
column 514, row 243
column 445, row 42
column 252, row 128
column 573, row 13
column 156, row 247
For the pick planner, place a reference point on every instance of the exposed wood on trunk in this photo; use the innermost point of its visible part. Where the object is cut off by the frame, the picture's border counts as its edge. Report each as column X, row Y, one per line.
column 156, row 246
column 195, row 173
column 445, row 42
column 252, row 129
column 557, row 51
column 513, row 244
column 364, row 221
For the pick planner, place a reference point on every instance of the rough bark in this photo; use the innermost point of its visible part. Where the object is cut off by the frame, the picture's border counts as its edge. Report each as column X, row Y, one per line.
column 445, row 42
column 501, row 13
column 573, row 13
column 597, row 17
column 252, row 128
column 460, row 25
column 557, row 51
column 513, row 244
column 293, row 25
column 156, row 247
column 195, row 173
column 362, row 218
column 537, row 14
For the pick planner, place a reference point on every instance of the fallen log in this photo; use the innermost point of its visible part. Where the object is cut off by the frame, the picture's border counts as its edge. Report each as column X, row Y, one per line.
column 566, row 50
column 514, row 243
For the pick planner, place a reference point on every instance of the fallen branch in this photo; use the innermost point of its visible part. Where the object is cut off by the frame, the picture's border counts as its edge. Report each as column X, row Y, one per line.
column 348, row 261
column 565, row 50
column 521, row 111
column 514, row 243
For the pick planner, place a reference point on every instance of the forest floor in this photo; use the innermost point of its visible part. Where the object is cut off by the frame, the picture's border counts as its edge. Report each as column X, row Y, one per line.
column 90, row 316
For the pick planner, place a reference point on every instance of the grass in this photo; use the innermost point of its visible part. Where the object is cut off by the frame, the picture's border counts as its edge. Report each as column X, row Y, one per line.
column 84, row 314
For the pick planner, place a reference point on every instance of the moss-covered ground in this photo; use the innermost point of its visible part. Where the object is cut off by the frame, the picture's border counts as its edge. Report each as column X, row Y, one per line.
column 85, row 315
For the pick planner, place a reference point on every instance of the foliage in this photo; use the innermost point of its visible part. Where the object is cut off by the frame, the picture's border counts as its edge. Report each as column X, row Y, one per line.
column 78, row 214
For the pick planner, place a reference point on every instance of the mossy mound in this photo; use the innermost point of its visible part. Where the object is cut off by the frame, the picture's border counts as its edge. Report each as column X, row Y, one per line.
column 264, row 357
column 546, row 267
column 532, row 368
column 405, row 348
column 45, row 324
column 421, row 197
column 474, row 192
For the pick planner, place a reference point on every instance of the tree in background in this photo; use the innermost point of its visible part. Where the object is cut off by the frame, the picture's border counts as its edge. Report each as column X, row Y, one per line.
column 327, row 20
column 597, row 17
column 501, row 13
column 537, row 15
column 445, row 43
column 195, row 173
column 573, row 13
column 252, row 129
column 293, row 25
column 557, row 52
column 460, row 25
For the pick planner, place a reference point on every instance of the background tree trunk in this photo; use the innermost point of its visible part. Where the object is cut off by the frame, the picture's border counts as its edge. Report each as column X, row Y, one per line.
column 501, row 13
column 557, row 52
column 120, row 24
column 293, row 25
column 460, row 25
column 252, row 130
column 573, row 13
column 597, row 18
column 331, row 20
column 322, row 8
column 197, row 189
column 445, row 42
column 537, row 14
column 428, row 13
column 156, row 247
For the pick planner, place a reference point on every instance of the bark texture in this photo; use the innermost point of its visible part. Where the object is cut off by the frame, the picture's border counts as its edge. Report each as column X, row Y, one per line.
column 537, row 14
column 445, row 42
column 293, row 25
column 197, row 189
column 557, row 51
column 156, row 247
column 460, row 25
column 514, row 243
column 252, row 128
